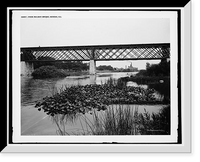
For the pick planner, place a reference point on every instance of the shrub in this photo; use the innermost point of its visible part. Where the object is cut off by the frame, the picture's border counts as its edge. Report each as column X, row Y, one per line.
column 48, row 72
column 157, row 123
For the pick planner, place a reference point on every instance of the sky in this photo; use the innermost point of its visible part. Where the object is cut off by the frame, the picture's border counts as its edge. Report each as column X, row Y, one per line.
column 90, row 30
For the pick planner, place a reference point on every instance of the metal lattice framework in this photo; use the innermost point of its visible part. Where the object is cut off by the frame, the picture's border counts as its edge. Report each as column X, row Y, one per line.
column 99, row 53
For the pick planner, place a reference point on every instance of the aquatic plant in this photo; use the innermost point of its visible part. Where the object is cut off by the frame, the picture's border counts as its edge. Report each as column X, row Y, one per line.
column 80, row 99
column 61, row 120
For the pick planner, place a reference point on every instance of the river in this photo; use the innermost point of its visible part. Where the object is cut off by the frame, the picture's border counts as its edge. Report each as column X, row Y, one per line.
column 34, row 122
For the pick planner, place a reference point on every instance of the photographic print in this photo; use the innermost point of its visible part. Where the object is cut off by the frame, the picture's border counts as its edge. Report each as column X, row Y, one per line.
column 99, row 80
column 94, row 75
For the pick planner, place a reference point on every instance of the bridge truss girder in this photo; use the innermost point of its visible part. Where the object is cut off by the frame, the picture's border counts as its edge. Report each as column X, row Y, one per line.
column 98, row 53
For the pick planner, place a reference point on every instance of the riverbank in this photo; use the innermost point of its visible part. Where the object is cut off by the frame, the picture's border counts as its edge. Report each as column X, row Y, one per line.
column 146, row 79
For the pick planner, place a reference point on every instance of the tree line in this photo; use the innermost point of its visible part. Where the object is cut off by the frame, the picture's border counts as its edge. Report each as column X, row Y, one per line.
column 161, row 69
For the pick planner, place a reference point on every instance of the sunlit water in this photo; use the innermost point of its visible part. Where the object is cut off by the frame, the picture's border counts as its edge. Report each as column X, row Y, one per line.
column 34, row 122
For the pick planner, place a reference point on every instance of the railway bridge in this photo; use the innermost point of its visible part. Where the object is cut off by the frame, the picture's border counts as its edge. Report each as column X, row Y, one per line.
column 94, row 53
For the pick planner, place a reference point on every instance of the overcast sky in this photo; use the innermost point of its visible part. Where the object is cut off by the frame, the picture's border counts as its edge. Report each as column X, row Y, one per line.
column 37, row 32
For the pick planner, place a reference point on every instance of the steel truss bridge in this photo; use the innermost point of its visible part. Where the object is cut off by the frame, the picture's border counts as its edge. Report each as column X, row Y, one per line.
column 96, row 53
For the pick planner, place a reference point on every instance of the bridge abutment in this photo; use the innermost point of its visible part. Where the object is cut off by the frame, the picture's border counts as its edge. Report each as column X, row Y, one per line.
column 92, row 69
column 26, row 68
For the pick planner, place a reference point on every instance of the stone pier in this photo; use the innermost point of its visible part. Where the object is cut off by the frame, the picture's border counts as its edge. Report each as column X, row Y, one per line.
column 92, row 67
column 26, row 68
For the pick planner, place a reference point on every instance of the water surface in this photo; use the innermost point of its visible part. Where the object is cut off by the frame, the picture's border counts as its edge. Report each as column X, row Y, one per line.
column 34, row 122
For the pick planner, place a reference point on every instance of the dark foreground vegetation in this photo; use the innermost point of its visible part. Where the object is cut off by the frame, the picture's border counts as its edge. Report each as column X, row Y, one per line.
column 120, row 120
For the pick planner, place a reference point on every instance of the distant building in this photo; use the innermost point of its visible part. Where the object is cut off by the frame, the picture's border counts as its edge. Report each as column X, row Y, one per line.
column 131, row 68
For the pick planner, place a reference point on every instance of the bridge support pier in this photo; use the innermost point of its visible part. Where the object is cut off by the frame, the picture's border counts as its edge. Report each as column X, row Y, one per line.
column 92, row 67
column 26, row 68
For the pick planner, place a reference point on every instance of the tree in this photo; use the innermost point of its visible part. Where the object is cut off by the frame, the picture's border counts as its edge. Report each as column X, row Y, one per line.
column 147, row 65
column 161, row 69
column 105, row 67
column 72, row 65
column 44, row 63
column 27, row 55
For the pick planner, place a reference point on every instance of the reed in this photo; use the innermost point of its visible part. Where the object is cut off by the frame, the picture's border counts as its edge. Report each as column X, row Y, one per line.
column 114, row 121
column 125, row 120
column 119, row 120
column 62, row 121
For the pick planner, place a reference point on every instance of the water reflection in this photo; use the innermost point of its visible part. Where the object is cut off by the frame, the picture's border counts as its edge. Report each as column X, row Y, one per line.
column 35, row 89
column 92, row 79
